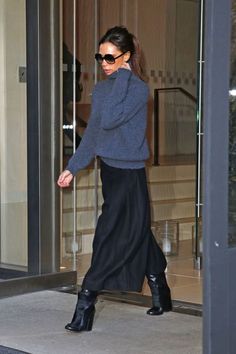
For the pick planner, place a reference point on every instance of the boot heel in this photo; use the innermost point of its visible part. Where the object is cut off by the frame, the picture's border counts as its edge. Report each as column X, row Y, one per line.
column 89, row 325
column 165, row 300
column 167, row 306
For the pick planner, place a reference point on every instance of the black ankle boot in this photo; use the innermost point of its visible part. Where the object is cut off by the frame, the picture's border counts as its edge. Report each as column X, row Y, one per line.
column 161, row 297
column 84, row 312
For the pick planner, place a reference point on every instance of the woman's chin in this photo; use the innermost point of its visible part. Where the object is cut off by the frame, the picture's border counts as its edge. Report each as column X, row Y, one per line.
column 108, row 72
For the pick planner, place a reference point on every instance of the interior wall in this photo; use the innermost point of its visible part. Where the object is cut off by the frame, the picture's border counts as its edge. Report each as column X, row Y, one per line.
column 186, row 64
column 168, row 31
column 13, row 138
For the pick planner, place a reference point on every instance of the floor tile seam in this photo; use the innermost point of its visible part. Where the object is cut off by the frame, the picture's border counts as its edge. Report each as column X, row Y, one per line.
column 189, row 302
column 180, row 259
column 182, row 286
column 184, row 276
column 184, row 282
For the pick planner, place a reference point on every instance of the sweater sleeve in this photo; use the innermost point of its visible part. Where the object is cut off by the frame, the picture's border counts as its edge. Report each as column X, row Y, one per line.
column 86, row 149
column 122, row 103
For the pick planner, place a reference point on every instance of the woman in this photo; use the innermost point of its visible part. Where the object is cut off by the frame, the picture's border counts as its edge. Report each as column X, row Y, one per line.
column 124, row 248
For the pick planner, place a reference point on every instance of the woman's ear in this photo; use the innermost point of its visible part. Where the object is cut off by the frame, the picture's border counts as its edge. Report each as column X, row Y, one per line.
column 127, row 56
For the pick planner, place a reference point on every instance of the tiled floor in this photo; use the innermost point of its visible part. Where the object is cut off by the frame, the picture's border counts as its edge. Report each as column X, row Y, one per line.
column 184, row 280
column 184, row 285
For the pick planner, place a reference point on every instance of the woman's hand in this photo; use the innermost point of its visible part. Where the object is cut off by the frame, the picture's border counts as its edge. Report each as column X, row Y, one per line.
column 64, row 179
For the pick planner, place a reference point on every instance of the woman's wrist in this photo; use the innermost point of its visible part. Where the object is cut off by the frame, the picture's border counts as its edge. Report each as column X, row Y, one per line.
column 68, row 169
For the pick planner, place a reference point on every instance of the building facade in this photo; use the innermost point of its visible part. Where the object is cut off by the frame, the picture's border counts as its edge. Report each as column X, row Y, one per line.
column 189, row 58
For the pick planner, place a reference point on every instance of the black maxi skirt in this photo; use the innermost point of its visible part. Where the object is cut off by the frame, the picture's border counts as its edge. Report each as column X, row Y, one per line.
column 124, row 248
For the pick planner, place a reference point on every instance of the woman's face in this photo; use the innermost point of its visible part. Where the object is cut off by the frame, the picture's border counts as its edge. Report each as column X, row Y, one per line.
column 109, row 48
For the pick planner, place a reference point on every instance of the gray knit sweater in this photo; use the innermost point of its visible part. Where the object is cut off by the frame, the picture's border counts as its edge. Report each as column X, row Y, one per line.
column 116, row 129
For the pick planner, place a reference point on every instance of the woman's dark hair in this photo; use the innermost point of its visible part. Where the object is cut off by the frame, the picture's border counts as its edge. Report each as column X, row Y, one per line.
column 126, row 42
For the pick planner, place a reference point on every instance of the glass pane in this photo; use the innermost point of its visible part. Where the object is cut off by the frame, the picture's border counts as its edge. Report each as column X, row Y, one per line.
column 232, row 135
column 13, row 140
column 176, row 114
column 76, row 248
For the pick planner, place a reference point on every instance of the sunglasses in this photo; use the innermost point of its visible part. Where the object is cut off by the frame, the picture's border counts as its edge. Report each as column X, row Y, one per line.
column 107, row 57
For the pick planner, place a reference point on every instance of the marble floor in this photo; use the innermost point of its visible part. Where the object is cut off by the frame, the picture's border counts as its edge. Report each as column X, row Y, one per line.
column 185, row 281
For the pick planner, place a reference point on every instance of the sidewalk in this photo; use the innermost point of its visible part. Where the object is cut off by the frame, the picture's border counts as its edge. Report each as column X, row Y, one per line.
column 35, row 323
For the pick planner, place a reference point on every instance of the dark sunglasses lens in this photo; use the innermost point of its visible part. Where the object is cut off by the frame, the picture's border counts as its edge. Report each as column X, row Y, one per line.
column 109, row 59
column 98, row 57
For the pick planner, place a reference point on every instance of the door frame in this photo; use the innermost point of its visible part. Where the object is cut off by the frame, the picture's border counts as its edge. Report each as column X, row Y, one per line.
column 43, row 152
column 219, row 283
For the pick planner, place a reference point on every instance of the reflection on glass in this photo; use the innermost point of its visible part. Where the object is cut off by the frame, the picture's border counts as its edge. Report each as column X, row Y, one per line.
column 78, row 202
column 68, row 99
column 176, row 117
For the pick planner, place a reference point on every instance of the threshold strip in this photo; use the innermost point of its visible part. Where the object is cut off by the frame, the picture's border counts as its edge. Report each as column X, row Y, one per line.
column 137, row 299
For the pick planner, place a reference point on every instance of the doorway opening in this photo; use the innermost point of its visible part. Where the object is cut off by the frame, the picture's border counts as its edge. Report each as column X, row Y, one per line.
column 169, row 36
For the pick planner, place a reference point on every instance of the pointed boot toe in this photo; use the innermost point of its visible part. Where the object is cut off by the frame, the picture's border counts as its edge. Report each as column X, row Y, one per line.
column 155, row 311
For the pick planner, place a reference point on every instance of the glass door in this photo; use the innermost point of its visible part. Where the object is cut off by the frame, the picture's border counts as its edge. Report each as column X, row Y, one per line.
column 80, row 202
column 171, row 49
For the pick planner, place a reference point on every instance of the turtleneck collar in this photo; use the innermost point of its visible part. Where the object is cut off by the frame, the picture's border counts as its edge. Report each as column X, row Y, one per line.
column 113, row 75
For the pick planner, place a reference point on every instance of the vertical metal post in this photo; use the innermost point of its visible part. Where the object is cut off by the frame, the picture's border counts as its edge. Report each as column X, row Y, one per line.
column 198, row 258
column 75, row 244
column 43, row 135
column 95, row 81
column 199, row 118
column 156, row 128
